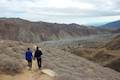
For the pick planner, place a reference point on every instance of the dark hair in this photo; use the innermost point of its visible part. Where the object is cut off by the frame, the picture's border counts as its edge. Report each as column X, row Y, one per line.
column 37, row 47
column 28, row 49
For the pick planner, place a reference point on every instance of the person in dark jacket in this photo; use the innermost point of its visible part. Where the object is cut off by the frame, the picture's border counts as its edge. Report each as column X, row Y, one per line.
column 29, row 56
column 37, row 56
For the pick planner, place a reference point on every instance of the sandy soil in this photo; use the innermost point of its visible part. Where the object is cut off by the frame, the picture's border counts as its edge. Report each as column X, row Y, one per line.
column 34, row 74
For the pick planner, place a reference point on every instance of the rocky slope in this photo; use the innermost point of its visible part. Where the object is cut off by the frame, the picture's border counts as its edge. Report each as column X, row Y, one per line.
column 67, row 66
column 102, row 49
column 114, row 44
column 23, row 30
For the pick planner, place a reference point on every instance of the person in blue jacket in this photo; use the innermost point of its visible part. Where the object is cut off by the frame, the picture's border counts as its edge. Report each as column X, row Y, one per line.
column 29, row 56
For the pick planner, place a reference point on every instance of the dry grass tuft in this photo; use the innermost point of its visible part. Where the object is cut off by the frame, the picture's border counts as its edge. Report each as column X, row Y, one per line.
column 10, row 65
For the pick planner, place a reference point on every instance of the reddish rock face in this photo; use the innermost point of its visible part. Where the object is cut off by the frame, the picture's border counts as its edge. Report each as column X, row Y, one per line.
column 22, row 30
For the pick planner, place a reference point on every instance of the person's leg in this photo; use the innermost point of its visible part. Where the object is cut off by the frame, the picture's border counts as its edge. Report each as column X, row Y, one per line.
column 30, row 64
column 39, row 63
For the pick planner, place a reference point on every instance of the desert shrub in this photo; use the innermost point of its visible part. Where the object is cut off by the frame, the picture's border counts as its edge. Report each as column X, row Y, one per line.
column 114, row 44
column 10, row 65
column 114, row 65
column 86, row 52
column 102, row 58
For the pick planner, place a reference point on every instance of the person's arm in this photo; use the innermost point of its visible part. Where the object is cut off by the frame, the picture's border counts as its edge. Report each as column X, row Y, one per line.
column 26, row 55
column 34, row 55
column 41, row 52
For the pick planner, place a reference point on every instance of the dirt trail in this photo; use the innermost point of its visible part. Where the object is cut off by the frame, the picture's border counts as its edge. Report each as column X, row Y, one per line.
column 34, row 74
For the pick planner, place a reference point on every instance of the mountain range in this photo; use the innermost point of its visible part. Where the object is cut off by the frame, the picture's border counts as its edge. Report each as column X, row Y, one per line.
column 112, row 25
column 27, row 31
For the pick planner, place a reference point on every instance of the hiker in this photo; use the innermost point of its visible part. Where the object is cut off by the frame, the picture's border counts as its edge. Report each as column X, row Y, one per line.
column 29, row 56
column 37, row 56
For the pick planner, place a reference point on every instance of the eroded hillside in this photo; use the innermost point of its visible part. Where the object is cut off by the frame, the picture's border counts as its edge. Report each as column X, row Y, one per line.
column 23, row 30
column 102, row 50
column 67, row 66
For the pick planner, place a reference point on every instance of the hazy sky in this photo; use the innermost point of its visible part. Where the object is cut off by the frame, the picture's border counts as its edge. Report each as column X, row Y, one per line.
column 62, row 11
